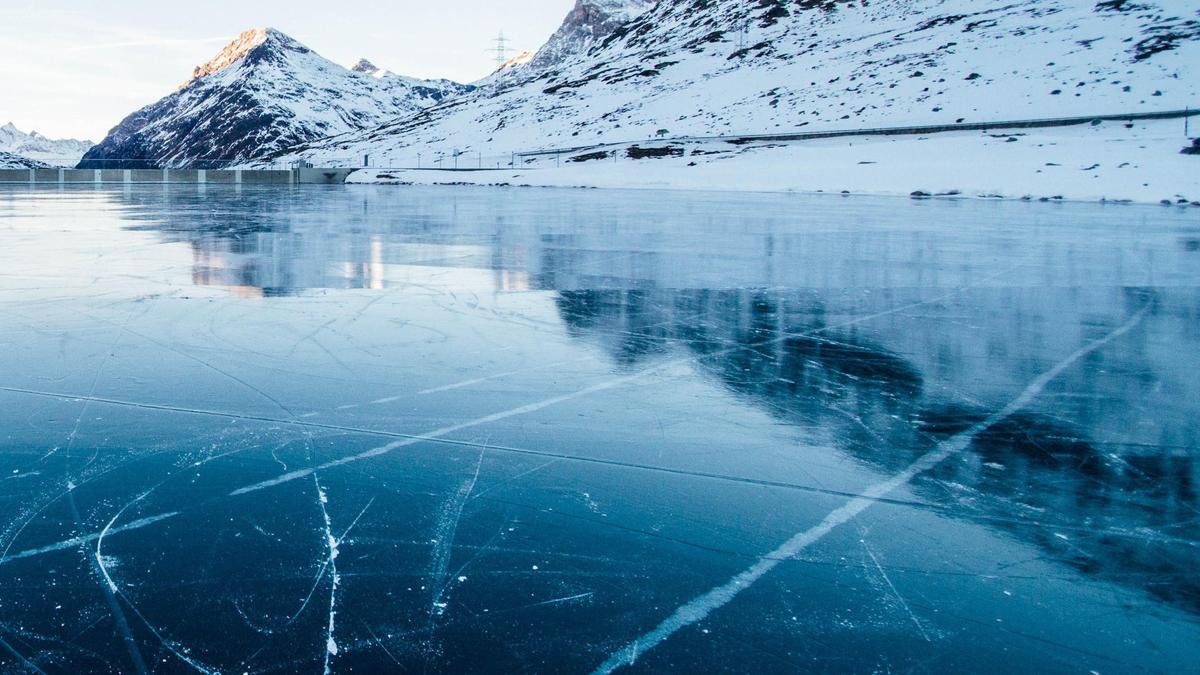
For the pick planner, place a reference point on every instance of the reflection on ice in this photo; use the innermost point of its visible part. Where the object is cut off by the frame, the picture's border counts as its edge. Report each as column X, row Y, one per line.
column 1129, row 505
column 497, row 430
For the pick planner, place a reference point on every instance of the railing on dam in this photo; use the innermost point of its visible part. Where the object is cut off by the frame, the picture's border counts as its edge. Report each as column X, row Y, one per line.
column 296, row 176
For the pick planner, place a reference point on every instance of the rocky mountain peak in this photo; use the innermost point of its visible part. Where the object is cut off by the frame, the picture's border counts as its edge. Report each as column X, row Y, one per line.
column 264, row 92
column 588, row 21
column 241, row 46
column 366, row 67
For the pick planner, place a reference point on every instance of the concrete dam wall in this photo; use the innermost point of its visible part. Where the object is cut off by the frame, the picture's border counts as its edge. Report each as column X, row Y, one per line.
column 175, row 176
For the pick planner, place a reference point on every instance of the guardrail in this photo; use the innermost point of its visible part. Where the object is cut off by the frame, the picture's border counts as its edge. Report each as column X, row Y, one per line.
column 174, row 164
column 469, row 160
column 881, row 131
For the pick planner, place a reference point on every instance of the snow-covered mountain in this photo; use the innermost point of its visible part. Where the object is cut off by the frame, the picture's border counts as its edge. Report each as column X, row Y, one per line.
column 10, row 161
column 42, row 150
column 714, row 67
column 263, row 92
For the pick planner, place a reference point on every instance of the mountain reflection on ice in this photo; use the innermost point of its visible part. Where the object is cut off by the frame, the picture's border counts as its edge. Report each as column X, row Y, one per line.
column 495, row 430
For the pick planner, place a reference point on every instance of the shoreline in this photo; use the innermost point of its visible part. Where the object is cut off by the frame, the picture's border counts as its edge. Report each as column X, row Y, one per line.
column 1024, row 199
column 1101, row 163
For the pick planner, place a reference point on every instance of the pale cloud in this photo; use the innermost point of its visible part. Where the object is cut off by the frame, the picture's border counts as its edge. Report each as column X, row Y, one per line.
column 151, row 42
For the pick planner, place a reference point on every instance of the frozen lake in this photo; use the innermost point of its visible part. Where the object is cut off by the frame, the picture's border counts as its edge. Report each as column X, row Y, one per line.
column 470, row 429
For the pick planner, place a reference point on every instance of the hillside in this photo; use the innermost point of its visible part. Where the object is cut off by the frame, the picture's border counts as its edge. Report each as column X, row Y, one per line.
column 714, row 67
column 9, row 160
column 262, row 93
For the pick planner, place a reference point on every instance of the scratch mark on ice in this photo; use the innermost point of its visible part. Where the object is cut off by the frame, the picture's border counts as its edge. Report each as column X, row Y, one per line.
column 903, row 603
column 20, row 657
column 379, row 643
column 355, row 521
column 488, row 378
column 114, row 607
column 559, row 601
column 331, row 647
column 443, row 540
column 78, row 541
column 443, row 548
column 117, row 594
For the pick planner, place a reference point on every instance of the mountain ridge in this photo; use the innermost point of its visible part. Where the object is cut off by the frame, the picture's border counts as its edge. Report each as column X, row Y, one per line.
column 9, row 160
column 263, row 92
column 39, row 149
column 716, row 67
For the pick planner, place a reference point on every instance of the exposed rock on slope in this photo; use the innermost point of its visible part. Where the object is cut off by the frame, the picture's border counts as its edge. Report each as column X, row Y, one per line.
column 263, row 92
column 588, row 22
column 10, row 161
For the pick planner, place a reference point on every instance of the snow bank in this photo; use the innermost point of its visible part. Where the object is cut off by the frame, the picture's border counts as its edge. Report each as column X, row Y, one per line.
column 1110, row 161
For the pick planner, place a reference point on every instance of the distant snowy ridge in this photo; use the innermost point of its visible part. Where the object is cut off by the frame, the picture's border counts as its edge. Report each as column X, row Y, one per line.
column 714, row 67
column 365, row 67
column 264, row 92
column 10, row 161
column 42, row 150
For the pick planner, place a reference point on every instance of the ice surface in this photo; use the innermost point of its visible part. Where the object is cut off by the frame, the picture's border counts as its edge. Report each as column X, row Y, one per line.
column 473, row 429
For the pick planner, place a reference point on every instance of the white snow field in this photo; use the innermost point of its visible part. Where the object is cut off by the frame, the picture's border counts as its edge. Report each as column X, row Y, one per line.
column 10, row 161
column 1105, row 162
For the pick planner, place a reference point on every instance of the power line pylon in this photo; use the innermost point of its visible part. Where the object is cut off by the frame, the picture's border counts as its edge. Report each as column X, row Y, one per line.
column 501, row 49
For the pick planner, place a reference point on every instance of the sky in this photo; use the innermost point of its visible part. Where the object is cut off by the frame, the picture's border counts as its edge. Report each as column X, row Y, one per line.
column 76, row 68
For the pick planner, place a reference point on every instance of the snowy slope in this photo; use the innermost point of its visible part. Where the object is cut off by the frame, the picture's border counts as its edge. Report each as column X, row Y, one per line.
column 263, row 92
column 1105, row 162
column 37, row 147
column 712, row 67
column 10, row 161
column 520, row 59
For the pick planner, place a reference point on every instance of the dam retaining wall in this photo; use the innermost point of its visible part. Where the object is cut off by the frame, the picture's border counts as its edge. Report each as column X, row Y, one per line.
column 175, row 176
